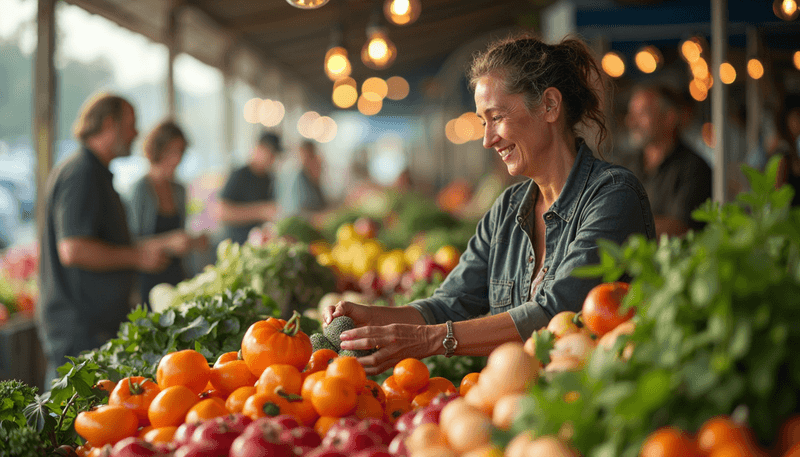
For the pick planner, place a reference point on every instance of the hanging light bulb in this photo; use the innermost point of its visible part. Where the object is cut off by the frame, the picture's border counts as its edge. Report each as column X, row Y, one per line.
column 786, row 9
column 337, row 65
column 648, row 59
column 402, row 12
column 378, row 52
column 307, row 4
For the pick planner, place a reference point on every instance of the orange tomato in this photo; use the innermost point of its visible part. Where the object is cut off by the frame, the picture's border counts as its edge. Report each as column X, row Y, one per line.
column 310, row 382
column 323, row 424
column 334, row 396
column 441, row 385
column 227, row 357
column 270, row 404
column 368, row 406
column 187, row 368
column 100, row 451
column 468, row 382
column 93, row 426
column 375, row 390
column 235, row 401
column 320, row 359
column 601, row 307
column 231, row 375
column 392, row 390
column 208, row 408
column 280, row 376
column 135, row 393
column 349, row 369
column 105, row 385
column 274, row 341
column 171, row 405
column 411, row 374
column 396, row 407
column 789, row 434
column 160, row 435
column 719, row 430
column 669, row 442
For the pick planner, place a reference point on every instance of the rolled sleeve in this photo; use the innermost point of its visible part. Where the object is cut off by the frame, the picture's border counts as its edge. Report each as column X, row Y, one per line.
column 528, row 318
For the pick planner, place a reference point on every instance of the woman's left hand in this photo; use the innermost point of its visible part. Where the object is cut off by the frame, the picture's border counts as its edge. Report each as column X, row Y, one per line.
column 394, row 343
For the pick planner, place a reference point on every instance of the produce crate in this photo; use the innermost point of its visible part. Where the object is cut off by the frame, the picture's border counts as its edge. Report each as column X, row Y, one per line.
column 21, row 355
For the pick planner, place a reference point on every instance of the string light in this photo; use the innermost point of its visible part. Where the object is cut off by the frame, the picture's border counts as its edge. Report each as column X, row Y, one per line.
column 398, row 88
column 785, row 9
column 402, row 12
column 613, row 64
column 375, row 88
column 727, row 74
column 755, row 69
column 337, row 65
column 378, row 52
column 307, row 4
column 648, row 59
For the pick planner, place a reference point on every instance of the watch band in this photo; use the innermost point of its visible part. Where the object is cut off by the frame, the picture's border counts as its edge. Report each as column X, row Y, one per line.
column 450, row 343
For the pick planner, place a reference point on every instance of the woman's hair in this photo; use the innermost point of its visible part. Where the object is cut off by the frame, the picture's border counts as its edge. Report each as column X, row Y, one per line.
column 528, row 66
column 158, row 139
column 95, row 111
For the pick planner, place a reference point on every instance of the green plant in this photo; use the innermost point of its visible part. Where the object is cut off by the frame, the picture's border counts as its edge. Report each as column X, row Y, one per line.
column 713, row 331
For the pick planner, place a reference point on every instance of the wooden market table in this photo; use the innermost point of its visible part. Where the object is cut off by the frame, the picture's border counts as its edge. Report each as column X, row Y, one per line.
column 21, row 355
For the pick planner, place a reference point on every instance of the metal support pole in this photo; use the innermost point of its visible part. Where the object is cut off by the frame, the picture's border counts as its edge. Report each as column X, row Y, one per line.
column 171, row 40
column 227, row 106
column 719, row 93
column 45, row 102
column 753, row 121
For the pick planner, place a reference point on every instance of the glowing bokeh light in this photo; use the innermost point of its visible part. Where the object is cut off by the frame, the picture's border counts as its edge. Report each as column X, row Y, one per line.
column 307, row 4
column 369, row 107
column 796, row 59
column 691, row 49
column 329, row 129
column 613, row 64
column 304, row 124
column 727, row 74
column 402, row 12
column 251, row 110
column 755, row 69
column 452, row 134
column 698, row 90
column 337, row 65
column 648, row 59
column 344, row 96
column 397, row 88
column 375, row 88
column 378, row 52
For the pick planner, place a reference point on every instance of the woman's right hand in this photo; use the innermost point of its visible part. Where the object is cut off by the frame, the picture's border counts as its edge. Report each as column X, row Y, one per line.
column 361, row 314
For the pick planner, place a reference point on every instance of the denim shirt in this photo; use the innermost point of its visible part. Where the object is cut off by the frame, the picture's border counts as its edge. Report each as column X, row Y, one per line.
column 495, row 272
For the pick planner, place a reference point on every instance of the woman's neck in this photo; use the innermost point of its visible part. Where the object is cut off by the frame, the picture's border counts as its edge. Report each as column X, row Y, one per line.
column 554, row 175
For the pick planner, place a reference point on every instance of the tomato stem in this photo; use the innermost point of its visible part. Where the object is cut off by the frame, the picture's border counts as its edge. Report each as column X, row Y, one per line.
column 135, row 388
column 271, row 409
column 292, row 326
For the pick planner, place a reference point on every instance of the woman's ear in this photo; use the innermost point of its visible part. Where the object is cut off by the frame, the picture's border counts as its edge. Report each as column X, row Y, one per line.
column 551, row 101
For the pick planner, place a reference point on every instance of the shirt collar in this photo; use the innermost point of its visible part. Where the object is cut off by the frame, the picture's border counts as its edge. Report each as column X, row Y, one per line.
column 92, row 157
column 564, row 206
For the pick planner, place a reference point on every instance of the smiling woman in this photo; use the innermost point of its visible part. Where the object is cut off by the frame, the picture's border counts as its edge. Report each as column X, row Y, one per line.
column 531, row 97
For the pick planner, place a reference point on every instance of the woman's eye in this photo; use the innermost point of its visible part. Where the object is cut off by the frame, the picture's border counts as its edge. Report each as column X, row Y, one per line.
column 496, row 118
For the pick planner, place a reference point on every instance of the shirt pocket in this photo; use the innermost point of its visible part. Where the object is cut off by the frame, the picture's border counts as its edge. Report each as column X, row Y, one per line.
column 500, row 292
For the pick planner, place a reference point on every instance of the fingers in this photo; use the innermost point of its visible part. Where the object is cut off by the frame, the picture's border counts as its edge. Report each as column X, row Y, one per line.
column 339, row 309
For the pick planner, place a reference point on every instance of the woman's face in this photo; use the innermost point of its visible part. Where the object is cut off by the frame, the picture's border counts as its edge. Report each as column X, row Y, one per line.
column 516, row 134
column 171, row 157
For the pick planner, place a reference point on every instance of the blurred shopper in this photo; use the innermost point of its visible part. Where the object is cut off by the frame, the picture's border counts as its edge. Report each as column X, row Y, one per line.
column 158, row 203
column 88, row 258
column 788, row 145
column 300, row 191
column 249, row 197
column 676, row 178
column 516, row 273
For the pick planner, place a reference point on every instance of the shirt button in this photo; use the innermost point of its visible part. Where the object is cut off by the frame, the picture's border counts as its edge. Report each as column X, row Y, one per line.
column 530, row 259
column 544, row 270
column 548, row 217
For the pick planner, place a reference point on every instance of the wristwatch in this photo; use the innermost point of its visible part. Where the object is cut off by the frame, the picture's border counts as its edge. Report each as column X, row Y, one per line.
column 450, row 344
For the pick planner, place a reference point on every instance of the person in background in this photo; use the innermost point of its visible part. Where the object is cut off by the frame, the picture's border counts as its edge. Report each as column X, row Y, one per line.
column 788, row 145
column 88, row 258
column 516, row 272
column 676, row 178
column 301, row 190
column 158, row 202
column 249, row 198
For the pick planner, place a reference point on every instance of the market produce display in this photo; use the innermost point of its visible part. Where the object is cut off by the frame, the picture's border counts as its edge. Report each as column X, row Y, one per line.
column 693, row 357
column 18, row 289
column 280, row 268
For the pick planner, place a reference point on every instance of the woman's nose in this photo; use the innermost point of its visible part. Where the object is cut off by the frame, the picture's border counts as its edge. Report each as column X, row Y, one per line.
column 489, row 137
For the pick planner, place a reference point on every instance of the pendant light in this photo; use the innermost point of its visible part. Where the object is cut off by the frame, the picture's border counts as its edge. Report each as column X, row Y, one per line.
column 337, row 65
column 378, row 52
column 401, row 12
column 307, row 4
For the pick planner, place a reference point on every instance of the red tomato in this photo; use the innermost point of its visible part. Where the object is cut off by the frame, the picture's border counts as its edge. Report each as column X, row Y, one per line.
column 601, row 307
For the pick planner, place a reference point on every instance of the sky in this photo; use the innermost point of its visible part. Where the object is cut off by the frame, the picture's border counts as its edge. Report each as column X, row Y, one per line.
column 85, row 37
